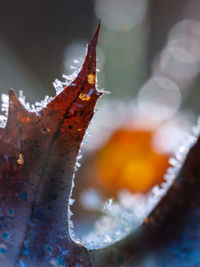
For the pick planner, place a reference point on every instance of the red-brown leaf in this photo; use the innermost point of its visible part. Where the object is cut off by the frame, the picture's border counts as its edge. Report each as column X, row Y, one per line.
column 37, row 158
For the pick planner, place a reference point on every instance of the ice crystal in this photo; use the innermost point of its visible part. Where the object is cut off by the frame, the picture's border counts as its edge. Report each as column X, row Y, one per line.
column 58, row 86
column 4, row 109
column 38, row 106
column 5, row 102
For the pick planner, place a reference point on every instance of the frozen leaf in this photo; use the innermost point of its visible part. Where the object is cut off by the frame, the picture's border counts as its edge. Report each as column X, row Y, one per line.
column 37, row 159
column 39, row 149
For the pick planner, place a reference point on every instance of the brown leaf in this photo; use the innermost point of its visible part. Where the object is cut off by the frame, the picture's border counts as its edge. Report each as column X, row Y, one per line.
column 37, row 158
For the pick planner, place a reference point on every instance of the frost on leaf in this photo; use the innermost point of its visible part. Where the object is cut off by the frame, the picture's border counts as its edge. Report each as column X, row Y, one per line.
column 39, row 147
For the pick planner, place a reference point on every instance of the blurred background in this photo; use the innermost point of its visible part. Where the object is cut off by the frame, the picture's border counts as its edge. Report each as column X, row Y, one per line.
column 39, row 39
column 149, row 59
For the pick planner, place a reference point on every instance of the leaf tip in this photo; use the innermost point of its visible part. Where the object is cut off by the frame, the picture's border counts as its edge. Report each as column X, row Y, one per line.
column 12, row 97
column 11, row 92
column 14, row 104
column 93, row 43
column 96, row 35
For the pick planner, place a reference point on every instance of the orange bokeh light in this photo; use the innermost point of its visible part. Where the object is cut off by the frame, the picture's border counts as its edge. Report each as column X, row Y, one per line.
column 129, row 161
